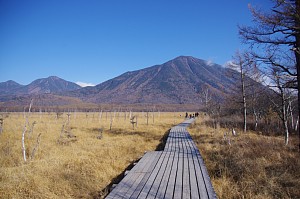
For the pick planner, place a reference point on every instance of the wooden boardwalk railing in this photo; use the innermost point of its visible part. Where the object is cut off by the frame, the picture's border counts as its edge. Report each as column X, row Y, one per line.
column 176, row 172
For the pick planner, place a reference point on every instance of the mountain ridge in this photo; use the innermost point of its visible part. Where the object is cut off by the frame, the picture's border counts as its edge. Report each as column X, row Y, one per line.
column 181, row 80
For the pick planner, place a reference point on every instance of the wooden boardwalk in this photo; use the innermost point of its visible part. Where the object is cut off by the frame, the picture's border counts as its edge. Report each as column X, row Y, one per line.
column 176, row 172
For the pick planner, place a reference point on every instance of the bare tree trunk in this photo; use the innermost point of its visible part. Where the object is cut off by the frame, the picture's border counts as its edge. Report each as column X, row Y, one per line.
column 296, row 125
column 290, row 111
column 24, row 131
column 23, row 142
column 244, row 98
column 256, row 119
column 285, row 122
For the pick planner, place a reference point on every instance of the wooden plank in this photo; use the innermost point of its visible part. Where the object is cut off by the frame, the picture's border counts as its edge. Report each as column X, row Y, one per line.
column 206, row 178
column 172, row 178
column 138, row 187
column 179, row 174
column 193, row 180
column 187, row 169
column 140, row 166
column 150, row 182
column 133, row 177
column 165, row 179
column 168, row 172
column 157, row 184
column 198, row 172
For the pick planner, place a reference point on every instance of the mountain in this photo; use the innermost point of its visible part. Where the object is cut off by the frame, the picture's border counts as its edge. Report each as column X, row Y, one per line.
column 8, row 86
column 178, row 81
column 51, row 84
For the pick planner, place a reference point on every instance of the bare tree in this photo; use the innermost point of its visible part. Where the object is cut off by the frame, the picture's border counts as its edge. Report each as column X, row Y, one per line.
column 282, row 105
column 242, row 62
column 277, row 34
column 24, row 131
column 205, row 96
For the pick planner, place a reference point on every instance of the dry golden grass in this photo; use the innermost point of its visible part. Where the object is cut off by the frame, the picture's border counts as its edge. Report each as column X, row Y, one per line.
column 252, row 166
column 82, row 166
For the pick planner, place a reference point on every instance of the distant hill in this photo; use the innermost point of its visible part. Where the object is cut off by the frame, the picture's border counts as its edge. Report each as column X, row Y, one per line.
column 178, row 81
column 48, row 85
column 51, row 84
column 43, row 91
column 9, row 86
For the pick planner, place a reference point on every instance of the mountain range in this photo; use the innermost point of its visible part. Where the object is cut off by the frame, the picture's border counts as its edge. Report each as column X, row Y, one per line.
column 182, row 80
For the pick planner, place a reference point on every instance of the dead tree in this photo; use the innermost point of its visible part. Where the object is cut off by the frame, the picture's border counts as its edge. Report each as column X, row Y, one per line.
column 242, row 63
column 23, row 142
column 31, row 129
column 282, row 105
column 133, row 121
column 66, row 136
column 24, row 131
column 205, row 96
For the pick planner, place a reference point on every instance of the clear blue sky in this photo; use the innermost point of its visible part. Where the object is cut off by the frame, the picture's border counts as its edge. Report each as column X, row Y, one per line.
column 95, row 40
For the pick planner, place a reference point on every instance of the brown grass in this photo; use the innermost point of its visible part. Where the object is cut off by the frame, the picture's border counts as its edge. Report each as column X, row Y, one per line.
column 80, row 167
column 251, row 166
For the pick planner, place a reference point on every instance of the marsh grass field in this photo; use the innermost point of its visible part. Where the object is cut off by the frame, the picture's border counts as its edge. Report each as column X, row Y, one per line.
column 64, row 166
column 251, row 166
column 76, row 167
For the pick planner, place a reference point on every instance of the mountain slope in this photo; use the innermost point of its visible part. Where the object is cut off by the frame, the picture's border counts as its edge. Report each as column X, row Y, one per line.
column 178, row 81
